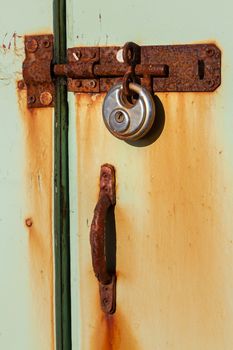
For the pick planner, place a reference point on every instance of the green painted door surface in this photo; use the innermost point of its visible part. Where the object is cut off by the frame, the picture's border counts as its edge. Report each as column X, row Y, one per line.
column 174, row 227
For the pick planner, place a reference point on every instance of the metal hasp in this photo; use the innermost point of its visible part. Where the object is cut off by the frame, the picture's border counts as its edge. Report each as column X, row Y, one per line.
column 98, row 239
column 168, row 68
column 37, row 71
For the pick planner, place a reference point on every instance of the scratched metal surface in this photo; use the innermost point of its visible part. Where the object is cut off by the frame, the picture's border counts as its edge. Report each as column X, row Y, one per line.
column 26, row 268
column 174, row 197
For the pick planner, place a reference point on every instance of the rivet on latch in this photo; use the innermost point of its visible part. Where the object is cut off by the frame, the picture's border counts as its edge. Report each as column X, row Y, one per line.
column 21, row 85
column 46, row 43
column 92, row 83
column 210, row 51
column 31, row 99
column 46, row 98
column 78, row 83
column 31, row 45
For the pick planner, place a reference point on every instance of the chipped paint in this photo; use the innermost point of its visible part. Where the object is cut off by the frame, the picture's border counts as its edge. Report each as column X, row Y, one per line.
column 173, row 250
column 11, row 55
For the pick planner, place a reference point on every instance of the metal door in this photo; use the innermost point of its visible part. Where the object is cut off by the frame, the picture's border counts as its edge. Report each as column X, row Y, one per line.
column 174, row 196
column 174, row 192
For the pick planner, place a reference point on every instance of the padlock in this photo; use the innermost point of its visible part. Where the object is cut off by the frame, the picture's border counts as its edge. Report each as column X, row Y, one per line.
column 125, row 120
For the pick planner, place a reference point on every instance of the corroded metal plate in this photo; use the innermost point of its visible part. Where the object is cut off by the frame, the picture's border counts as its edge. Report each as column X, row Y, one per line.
column 190, row 68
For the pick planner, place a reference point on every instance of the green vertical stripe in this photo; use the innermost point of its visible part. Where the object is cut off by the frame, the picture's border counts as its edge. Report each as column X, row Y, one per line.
column 61, row 189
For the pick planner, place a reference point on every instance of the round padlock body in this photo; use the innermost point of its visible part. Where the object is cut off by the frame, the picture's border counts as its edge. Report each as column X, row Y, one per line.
column 128, row 121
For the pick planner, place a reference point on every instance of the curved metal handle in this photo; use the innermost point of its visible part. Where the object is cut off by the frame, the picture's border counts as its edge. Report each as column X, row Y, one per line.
column 97, row 239
column 107, row 199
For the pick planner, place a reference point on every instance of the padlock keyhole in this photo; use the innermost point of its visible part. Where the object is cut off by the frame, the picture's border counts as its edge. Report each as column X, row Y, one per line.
column 128, row 120
column 119, row 117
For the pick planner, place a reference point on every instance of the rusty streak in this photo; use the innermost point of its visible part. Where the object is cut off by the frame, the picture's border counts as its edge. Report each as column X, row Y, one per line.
column 173, row 229
column 37, row 129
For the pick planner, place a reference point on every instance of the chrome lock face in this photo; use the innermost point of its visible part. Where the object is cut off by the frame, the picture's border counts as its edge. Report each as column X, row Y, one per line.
column 128, row 121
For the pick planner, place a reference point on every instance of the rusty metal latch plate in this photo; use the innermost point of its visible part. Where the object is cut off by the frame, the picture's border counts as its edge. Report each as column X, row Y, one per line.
column 37, row 71
column 191, row 68
column 168, row 68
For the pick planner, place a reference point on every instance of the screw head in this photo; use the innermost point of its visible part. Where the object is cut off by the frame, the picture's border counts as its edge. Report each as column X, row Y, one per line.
column 92, row 83
column 46, row 98
column 210, row 51
column 46, row 43
column 105, row 301
column 21, row 84
column 31, row 99
column 31, row 45
column 28, row 222
column 78, row 83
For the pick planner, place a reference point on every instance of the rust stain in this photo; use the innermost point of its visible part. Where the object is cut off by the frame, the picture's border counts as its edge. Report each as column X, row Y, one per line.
column 108, row 332
column 184, row 222
column 37, row 126
column 172, row 292
column 112, row 332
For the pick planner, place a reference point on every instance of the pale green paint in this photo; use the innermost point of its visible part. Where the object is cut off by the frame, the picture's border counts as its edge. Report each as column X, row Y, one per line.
column 15, row 284
column 163, row 22
column 17, row 331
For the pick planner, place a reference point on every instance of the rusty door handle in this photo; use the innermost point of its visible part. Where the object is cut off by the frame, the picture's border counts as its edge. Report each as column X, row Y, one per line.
column 97, row 238
column 106, row 202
